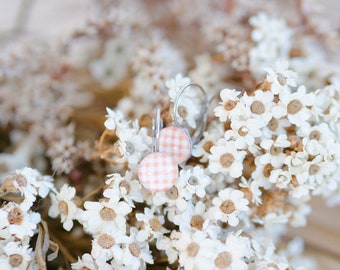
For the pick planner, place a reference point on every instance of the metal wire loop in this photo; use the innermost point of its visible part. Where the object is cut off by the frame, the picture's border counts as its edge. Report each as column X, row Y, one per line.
column 203, row 114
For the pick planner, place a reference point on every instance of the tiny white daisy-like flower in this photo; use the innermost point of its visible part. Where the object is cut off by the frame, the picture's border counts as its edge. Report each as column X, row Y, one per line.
column 228, row 205
column 296, row 162
column 281, row 178
column 173, row 197
column 19, row 183
column 266, row 259
column 244, row 132
column 85, row 262
column 188, row 110
column 318, row 170
column 195, row 250
column 321, row 133
column 133, row 144
column 124, row 187
column 300, row 190
column 135, row 253
column 196, row 218
column 280, row 77
column 44, row 185
column 152, row 225
column 175, row 85
column 230, row 106
column 106, row 246
column 168, row 244
column 105, row 216
column 232, row 254
column 15, row 256
column 297, row 105
column 313, row 147
column 274, row 149
column 193, row 181
column 17, row 221
column 225, row 158
column 275, row 126
column 115, row 120
column 63, row 205
column 210, row 137
column 253, row 187
column 259, row 105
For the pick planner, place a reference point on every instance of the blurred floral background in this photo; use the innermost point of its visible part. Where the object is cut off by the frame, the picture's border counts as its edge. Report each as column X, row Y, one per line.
column 79, row 83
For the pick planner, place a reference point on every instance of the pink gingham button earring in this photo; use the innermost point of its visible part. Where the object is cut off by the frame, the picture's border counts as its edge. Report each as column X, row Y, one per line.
column 157, row 171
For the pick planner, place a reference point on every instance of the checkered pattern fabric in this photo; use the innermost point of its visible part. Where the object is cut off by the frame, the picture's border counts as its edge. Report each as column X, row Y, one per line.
column 157, row 172
column 176, row 143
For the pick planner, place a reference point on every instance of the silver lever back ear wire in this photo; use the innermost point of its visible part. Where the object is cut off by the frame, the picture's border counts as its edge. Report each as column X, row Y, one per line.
column 156, row 129
column 203, row 114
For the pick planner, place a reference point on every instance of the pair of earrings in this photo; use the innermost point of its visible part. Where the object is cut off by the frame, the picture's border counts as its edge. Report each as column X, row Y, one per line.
column 158, row 171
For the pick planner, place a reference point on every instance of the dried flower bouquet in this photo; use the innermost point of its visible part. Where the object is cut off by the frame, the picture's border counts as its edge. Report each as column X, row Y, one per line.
column 70, row 192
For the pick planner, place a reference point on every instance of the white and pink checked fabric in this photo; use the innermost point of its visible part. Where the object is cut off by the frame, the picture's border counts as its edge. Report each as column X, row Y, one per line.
column 158, row 172
column 176, row 143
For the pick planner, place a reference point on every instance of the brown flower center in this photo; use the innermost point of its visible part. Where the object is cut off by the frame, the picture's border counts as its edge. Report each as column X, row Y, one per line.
column 257, row 107
column 273, row 124
column 8, row 182
column 63, row 207
column 192, row 249
column 182, row 111
column 105, row 241
column 294, row 181
column 267, row 170
column 223, row 260
column 313, row 169
column 243, row 131
column 85, row 268
column 197, row 222
column 15, row 260
column 315, row 135
column 172, row 193
column 15, row 216
column 229, row 105
column 193, row 180
column 274, row 150
column 294, row 106
column 125, row 184
column 227, row 207
column 296, row 143
column 107, row 214
column 155, row 224
column 21, row 180
column 207, row 146
column 226, row 160
column 134, row 249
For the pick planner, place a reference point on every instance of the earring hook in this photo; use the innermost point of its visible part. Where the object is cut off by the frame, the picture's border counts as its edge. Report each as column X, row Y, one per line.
column 156, row 129
column 204, row 107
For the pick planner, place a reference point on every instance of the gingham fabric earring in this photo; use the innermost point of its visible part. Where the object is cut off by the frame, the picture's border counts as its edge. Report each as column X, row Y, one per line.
column 175, row 140
column 157, row 171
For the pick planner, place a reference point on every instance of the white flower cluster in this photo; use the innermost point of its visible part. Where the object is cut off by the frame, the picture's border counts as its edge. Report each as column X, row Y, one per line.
column 18, row 222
